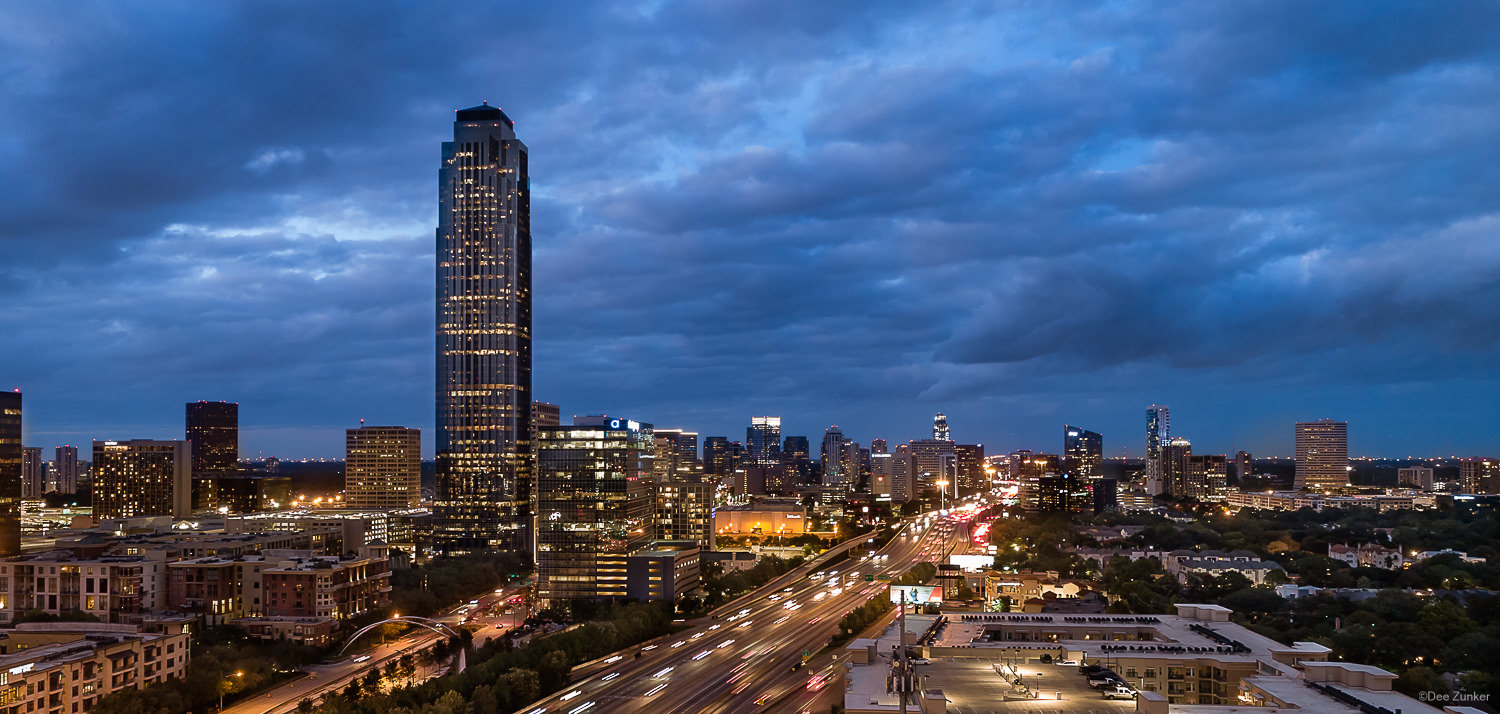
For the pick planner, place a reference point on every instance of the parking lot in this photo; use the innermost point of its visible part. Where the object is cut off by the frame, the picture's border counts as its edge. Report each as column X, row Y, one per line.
column 973, row 687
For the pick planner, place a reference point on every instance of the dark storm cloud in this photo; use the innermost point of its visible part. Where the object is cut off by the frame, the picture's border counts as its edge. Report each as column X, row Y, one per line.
column 856, row 213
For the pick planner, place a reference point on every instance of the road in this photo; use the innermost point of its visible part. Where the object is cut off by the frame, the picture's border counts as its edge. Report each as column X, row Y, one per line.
column 744, row 661
column 326, row 678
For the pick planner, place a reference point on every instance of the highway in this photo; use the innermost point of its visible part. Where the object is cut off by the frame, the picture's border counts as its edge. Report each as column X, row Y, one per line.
column 323, row 679
column 743, row 661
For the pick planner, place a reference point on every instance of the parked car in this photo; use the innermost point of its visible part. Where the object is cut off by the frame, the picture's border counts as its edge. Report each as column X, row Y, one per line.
column 1066, row 662
column 1119, row 691
column 920, row 660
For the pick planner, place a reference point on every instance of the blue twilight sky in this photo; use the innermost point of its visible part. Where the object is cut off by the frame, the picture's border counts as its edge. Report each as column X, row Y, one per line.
column 1021, row 214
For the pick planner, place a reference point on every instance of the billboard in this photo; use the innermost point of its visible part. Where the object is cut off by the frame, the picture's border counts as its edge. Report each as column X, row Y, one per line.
column 972, row 562
column 916, row 594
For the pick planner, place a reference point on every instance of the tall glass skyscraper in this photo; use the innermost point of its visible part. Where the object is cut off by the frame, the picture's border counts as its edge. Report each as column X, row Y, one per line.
column 763, row 439
column 10, row 473
column 1158, row 431
column 483, row 499
column 1083, row 451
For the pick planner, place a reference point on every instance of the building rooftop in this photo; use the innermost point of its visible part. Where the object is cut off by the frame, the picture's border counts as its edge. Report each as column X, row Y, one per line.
column 484, row 112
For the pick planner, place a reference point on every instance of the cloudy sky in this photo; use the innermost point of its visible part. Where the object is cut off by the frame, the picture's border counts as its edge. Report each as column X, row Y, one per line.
column 1021, row 214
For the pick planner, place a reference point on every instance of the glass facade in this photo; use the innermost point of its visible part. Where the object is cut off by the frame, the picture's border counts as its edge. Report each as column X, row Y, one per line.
column 483, row 498
column 1158, row 430
column 10, row 474
column 763, row 440
column 1083, row 450
column 594, row 507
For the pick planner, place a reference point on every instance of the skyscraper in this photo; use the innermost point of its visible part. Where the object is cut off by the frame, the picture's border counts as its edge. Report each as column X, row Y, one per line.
column 594, row 507
column 1083, row 452
column 1177, row 452
column 833, row 455
column 1158, row 431
column 968, row 466
column 142, row 477
column 718, row 456
column 214, row 430
column 1322, row 454
column 65, row 461
column 33, row 473
column 483, row 499
column 940, row 428
column 763, row 440
column 382, row 467
column 10, row 473
column 797, row 456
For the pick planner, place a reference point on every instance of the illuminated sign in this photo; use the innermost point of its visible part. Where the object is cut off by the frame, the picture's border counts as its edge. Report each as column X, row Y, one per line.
column 914, row 594
column 23, row 669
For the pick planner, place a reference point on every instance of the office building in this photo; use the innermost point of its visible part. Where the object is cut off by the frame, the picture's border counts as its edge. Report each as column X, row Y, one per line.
column 544, row 414
column 1207, row 478
column 796, row 454
column 483, row 425
column 666, row 571
column 968, row 464
column 1244, row 467
column 851, row 465
column 763, row 440
column 1158, row 432
column 719, row 456
column 675, row 455
column 833, row 455
column 65, row 464
column 594, row 506
column 143, row 477
column 1083, row 452
column 213, row 428
column 778, row 517
column 940, row 428
column 382, row 467
column 33, row 473
column 684, row 511
column 935, row 460
column 878, row 446
column 10, row 473
column 1322, row 455
column 893, row 475
column 1058, row 493
column 1415, row 477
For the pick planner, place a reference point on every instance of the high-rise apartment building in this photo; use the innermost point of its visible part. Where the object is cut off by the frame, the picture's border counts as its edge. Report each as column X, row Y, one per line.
column 1083, row 452
column 382, row 467
column 1322, row 455
column 10, row 473
column 142, row 477
column 763, row 440
column 594, row 506
column 893, row 475
column 1177, row 452
column 940, row 428
column 483, row 499
column 685, row 511
column 1158, row 432
column 65, row 463
column 1479, row 475
column 833, row 455
column 33, row 473
column 675, row 455
column 1244, row 467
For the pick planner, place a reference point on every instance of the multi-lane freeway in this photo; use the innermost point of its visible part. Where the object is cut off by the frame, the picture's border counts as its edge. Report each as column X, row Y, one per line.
column 752, row 658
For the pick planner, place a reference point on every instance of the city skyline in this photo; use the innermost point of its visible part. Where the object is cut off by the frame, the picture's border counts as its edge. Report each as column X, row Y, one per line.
column 1249, row 257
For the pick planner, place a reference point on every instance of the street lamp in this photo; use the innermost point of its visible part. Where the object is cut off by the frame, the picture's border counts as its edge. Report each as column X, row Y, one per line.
column 943, row 489
column 224, row 688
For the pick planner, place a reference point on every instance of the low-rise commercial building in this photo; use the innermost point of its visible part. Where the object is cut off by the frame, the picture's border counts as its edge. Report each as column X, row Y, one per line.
column 764, row 517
